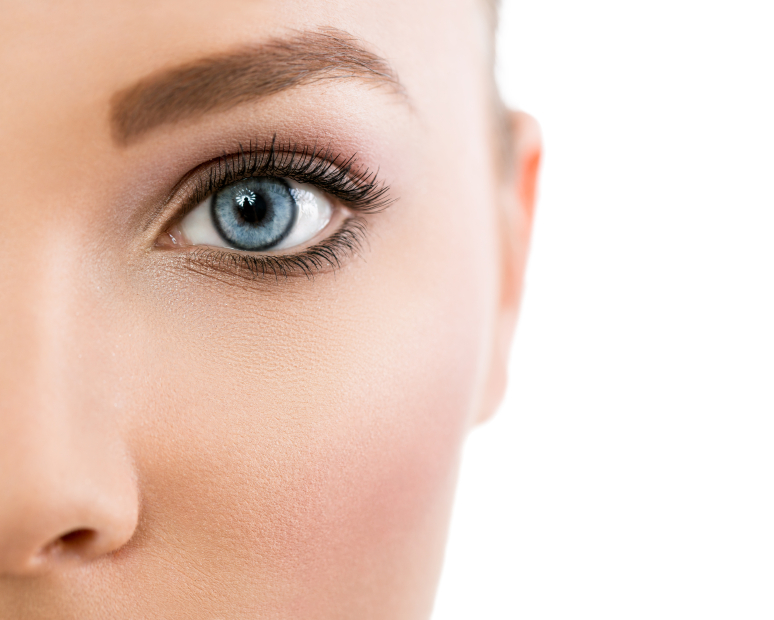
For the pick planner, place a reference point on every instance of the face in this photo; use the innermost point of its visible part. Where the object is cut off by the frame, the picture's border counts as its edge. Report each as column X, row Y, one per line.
column 260, row 264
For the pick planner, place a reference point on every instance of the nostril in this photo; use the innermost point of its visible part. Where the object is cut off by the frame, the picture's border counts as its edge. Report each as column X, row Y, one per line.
column 75, row 542
column 77, row 538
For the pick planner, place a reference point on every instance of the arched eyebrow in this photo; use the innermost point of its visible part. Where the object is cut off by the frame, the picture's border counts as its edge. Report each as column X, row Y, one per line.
column 220, row 82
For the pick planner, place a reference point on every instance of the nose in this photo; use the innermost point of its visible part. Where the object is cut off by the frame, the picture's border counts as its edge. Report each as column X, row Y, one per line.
column 64, row 500
column 68, row 493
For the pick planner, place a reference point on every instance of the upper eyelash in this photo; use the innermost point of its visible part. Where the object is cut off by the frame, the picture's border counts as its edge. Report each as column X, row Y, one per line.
column 359, row 188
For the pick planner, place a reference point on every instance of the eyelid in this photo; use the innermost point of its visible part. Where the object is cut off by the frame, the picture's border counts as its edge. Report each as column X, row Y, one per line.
column 328, row 255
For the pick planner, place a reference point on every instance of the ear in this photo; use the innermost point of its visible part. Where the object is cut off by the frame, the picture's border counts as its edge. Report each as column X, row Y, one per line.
column 517, row 198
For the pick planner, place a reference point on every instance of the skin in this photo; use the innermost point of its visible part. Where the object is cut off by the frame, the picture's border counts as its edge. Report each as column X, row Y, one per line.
column 181, row 442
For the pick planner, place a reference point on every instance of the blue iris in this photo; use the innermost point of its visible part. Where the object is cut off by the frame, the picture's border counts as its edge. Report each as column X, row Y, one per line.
column 254, row 214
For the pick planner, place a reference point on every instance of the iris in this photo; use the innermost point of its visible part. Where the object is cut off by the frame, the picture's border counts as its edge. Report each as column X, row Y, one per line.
column 255, row 213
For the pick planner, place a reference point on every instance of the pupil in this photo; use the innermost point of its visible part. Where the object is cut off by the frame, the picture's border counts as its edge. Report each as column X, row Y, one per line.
column 252, row 213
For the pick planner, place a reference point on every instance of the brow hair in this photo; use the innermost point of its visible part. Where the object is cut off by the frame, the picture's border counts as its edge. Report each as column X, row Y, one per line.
column 223, row 81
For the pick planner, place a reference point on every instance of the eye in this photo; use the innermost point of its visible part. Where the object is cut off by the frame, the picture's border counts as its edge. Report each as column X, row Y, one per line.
column 258, row 214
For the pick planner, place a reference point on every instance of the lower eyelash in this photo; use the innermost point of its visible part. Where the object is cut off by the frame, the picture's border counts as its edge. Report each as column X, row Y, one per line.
column 329, row 254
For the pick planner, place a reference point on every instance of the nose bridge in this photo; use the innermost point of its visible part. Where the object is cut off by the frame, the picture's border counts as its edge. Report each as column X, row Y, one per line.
column 67, row 487
column 41, row 332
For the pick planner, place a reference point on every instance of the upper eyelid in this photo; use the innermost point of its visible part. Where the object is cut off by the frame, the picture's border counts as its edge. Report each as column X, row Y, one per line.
column 357, row 186
column 340, row 174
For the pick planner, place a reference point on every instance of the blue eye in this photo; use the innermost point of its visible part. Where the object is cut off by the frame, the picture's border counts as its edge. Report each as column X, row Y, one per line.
column 254, row 214
column 258, row 214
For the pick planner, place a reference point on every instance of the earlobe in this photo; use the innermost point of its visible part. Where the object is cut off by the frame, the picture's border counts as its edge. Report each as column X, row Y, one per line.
column 518, row 198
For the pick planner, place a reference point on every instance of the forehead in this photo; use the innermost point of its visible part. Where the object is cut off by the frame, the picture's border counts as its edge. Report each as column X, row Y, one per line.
column 115, row 41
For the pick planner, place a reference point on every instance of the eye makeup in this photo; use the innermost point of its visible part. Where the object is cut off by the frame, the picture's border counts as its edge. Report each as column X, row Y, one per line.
column 254, row 180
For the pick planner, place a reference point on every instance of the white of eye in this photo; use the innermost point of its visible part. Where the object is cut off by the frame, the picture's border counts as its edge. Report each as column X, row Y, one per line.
column 313, row 214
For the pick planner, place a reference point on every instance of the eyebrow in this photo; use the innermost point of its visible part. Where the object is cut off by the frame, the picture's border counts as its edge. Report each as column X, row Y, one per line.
column 224, row 81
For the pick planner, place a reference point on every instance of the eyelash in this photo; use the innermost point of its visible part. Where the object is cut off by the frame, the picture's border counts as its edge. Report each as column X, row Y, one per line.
column 360, row 190
column 330, row 252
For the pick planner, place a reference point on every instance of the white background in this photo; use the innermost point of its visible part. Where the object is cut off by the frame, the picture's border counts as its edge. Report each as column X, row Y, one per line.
column 630, row 471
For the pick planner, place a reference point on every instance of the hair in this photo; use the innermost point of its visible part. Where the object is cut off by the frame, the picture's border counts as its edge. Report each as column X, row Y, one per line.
column 492, row 8
column 501, row 119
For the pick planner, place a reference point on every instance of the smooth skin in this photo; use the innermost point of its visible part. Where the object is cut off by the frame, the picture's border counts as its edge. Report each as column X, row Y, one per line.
column 181, row 442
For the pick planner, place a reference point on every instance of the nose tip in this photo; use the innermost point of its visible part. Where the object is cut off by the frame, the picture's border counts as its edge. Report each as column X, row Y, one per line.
column 73, row 547
column 77, row 544
column 43, row 537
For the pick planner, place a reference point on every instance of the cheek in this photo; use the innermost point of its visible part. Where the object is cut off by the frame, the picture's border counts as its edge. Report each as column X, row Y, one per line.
column 323, row 458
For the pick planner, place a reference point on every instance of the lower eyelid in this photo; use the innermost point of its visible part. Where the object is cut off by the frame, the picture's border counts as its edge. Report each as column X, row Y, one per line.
column 327, row 255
